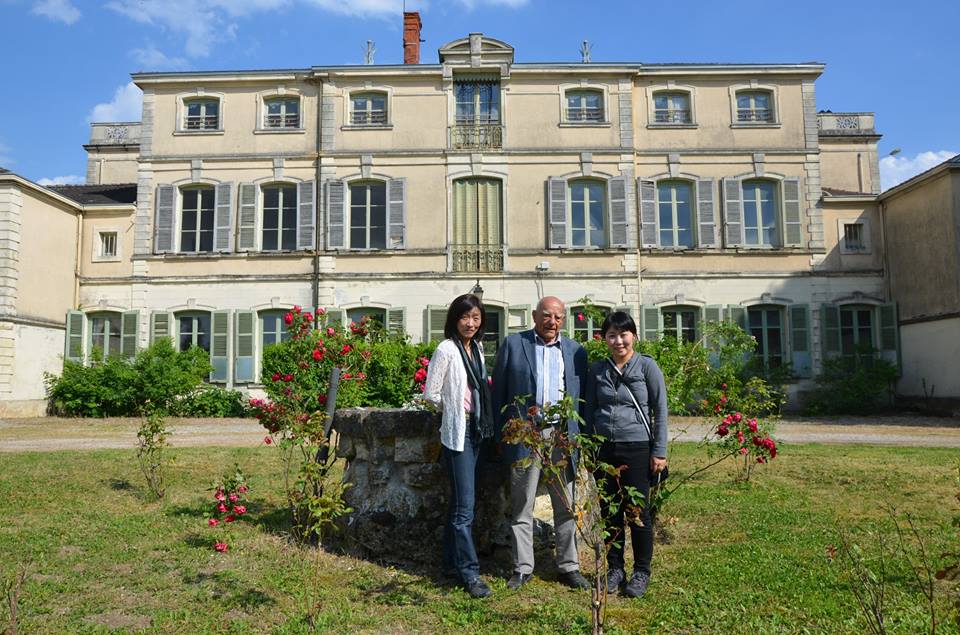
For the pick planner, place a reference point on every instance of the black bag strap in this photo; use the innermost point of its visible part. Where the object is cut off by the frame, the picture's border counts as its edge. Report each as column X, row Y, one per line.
column 643, row 417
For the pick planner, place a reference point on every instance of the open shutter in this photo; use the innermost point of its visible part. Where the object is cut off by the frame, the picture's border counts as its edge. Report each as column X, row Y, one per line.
column 247, row 218
column 618, row 211
column 397, row 213
column 800, row 358
column 738, row 315
column 830, row 329
column 397, row 320
column 161, row 325
column 648, row 212
column 709, row 313
column 792, row 234
column 434, row 318
column 651, row 323
column 706, row 214
column 889, row 333
column 222, row 217
column 335, row 316
column 518, row 318
column 336, row 206
column 163, row 220
column 73, row 342
column 557, row 212
column 732, row 212
column 245, row 340
column 220, row 345
column 306, row 219
column 129, row 327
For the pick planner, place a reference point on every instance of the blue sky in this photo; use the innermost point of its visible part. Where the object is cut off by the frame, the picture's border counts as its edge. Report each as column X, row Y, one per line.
column 68, row 62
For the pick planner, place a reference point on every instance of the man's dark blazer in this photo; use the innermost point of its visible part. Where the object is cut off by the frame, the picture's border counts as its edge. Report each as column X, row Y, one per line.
column 514, row 375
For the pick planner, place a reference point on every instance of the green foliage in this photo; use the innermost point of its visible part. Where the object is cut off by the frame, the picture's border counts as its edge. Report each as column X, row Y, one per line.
column 211, row 401
column 151, row 451
column 853, row 385
column 393, row 362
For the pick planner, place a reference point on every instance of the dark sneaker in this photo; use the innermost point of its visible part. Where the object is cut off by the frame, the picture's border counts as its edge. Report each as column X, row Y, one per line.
column 615, row 579
column 477, row 588
column 637, row 585
column 517, row 580
column 574, row 579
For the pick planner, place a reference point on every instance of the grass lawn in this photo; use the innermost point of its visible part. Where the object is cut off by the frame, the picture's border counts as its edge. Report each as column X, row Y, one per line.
column 743, row 559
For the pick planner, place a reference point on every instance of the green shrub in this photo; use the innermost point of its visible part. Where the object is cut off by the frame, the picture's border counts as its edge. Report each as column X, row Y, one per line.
column 853, row 385
column 211, row 401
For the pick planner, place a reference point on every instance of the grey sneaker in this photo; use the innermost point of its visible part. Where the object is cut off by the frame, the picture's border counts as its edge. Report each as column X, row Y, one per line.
column 615, row 578
column 637, row 585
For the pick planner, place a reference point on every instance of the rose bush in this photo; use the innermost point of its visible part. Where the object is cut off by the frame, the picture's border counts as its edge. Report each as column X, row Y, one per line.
column 229, row 504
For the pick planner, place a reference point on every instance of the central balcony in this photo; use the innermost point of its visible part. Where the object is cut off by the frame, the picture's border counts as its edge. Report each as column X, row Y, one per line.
column 477, row 258
column 485, row 136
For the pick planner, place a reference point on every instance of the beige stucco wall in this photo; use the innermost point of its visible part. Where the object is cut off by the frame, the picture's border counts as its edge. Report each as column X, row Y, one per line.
column 845, row 165
column 836, row 213
column 929, row 351
column 105, row 167
column 48, row 254
column 95, row 221
column 39, row 350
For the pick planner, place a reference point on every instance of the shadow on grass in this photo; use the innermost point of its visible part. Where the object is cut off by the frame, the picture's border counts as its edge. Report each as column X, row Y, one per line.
column 223, row 586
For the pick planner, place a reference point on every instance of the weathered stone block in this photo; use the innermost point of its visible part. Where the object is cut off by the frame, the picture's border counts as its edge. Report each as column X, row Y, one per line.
column 416, row 450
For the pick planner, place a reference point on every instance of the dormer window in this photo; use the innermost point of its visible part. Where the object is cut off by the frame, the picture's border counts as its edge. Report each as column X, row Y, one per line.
column 202, row 114
column 282, row 112
column 584, row 105
column 755, row 106
column 368, row 109
column 672, row 108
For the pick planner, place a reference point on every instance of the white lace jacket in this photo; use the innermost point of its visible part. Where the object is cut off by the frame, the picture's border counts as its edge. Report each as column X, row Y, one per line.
column 445, row 386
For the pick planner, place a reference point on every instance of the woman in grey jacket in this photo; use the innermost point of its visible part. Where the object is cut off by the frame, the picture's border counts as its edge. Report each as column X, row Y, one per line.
column 626, row 397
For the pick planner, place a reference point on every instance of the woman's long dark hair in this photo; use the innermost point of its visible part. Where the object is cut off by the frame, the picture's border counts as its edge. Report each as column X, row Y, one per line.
column 620, row 321
column 462, row 304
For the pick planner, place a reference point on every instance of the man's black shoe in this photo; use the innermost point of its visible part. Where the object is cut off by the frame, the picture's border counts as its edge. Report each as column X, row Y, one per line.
column 517, row 580
column 637, row 585
column 574, row 579
column 615, row 579
column 477, row 588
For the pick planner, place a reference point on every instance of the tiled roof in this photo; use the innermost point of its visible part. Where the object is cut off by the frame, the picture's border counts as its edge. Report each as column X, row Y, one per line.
column 113, row 194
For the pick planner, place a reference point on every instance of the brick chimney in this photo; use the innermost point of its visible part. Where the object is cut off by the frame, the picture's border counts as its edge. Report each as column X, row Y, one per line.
column 411, row 37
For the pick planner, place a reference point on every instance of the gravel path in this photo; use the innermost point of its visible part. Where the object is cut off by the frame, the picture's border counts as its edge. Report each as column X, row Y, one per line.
column 51, row 434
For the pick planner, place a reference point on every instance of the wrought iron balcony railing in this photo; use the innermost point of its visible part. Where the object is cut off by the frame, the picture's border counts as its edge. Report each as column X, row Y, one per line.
column 291, row 120
column 202, row 122
column 368, row 117
column 476, row 136
column 585, row 114
column 761, row 115
column 477, row 258
column 671, row 115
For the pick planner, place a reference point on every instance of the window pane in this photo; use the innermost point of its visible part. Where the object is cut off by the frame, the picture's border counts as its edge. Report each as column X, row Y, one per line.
column 289, row 197
column 289, row 239
column 293, row 107
column 750, row 211
column 761, row 100
column 273, row 107
column 358, row 216
column 358, row 237
column 206, row 241
column 596, row 214
column 206, row 220
column 186, row 333
column 193, row 109
column 211, row 108
column 270, row 239
column 378, row 216
column 660, row 102
column 773, row 341
column 271, row 197
column 271, row 218
column 579, row 238
column 189, row 199
column 189, row 221
column 756, row 319
column 743, row 101
column 576, row 213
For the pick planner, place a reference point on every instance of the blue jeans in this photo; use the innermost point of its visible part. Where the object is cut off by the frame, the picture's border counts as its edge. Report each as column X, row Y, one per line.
column 459, row 554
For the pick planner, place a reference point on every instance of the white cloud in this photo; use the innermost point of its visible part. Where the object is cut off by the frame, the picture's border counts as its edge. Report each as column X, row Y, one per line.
column 153, row 59
column 126, row 105
column 70, row 179
column 60, row 10
column 897, row 169
column 361, row 8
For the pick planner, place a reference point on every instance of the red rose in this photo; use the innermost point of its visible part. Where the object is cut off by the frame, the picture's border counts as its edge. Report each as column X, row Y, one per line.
column 346, row 349
column 296, row 308
column 321, row 312
column 242, row 489
column 761, row 459
column 267, row 440
column 744, row 450
column 234, row 498
column 361, row 375
column 596, row 336
column 230, row 518
column 288, row 377
column 737, row 417
column 424, row 361
column 220, row 496
column 220, row 546
column 740, row 436
column 347, row 375
column 420, row 375
column 240, row 509
column 752, row 424
column 723, row 386
column 221, row 507
column 308, row 317
column 288, row 319
column 580, row 317
column 723, row 399
column 213, row 522
column 275, row 377
column 317, row 355
column 716, row 408
column 722, row 431
column 322, row 399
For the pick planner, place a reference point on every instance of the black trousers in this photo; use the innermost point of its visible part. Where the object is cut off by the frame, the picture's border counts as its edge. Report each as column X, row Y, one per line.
column 636, row 456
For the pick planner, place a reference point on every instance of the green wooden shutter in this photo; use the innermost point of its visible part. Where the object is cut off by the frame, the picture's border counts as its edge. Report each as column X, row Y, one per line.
column 648, row 213
column 161, row 325
column 220, row 345
column 434, row 319
column 335, row 316
column 247, row 218
column 706, row 214
column 396, row 213
column 792, row 225
column 738, row 315
column 519, row 318
column 396, row 318
column 732, row 212
column 73, row 340
column 889, row 333
column 651, row 323
column 129, row 330
column 556, row 212
column 618, row 211
column 163, row 224
column 306, row 217
column 800, row 357
column 336, row 208
column 830, row 329
column 245, row 341
column 709, row 313
column 223, row 204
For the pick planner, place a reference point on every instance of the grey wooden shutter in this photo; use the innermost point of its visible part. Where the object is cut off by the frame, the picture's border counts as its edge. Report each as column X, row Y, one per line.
column 334, row 316
column 73, row 342
column 220, row 345
column 396, row 318
column 129, row 326
column 618, row 211
column 336, row 207
column 648, row 213
column 396, row 213
column 709, row 313
column 163, row 220
column 434, row 318
column 161, row 325
column 732, row 212
column 306, row 218
column 706, row 214
column 792, row 226
column 830, row 329
column 247, row 218
column 245, row 340
column 738, row 315
column 556, row 212
column 518, row 318
column 889, row 333
column 222, row 226
column 651, row 323
column 800, row 357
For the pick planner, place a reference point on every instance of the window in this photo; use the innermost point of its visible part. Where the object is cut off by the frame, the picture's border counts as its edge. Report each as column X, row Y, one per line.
column 584, row 105
column 585, row 327
column 105, row 334
column 368, row 109
column 492, row 335
column 478, row 101
column 477, row 234
column 853, row 237
column 273, row 329
column 194, row 330
column 760, row 213
column 587, row 210
column 672, row 108
column 279, row 218
column 196, row 220
column 765, row 324
column 680, row 322
column 675, row 208
column 282, row 113
column 108, row 244
column 856, row 332
column 754, row 106
column 354, row 316
column 202, row 114
column 368, row 216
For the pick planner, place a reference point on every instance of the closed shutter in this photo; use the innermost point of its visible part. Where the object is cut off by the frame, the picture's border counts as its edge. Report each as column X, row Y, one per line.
column 651, row 323
column 830, row 329
column 518, row 318
column 223, row 205
column 618, row 211
column 556, row 212
column 889, row 333
column 648, row 212
column 336, row 214
column 306, row 219
column 163, row 220
column 397, row 213
column 220, row 345
column 396, row 320
column 245, row 340
column 434, row 319
column 710, row 313
column 706, row 214
column 73, row 341
column 792, row 232
column 161, row 325
column 247, row 218
column 732, row 212
column 129, row 327
column 738, row 315
column 334, row 316
column 800, row 357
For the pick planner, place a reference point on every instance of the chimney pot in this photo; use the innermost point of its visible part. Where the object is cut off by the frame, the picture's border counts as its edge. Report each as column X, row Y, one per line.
column 411, row 37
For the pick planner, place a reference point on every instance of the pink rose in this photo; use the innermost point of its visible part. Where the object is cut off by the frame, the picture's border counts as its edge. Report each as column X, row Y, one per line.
column 221, row 507
column 240, row 509
column 580, row 317
column 752, row 424
column 213, row 522
column 296, row 308
column 234, row 498
column 230, row 518
column 347, row 375
column 330, row 330
column 361, row 375
column 220, row 496
column 267, row 440
column 737, row 417
column 242, row 489
column 220, row 546
column 744, row 450
column 321, row 312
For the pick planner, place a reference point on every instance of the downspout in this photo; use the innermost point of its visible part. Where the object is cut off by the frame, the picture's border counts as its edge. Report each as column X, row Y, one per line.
column 76, row 269
column 316, row 199
column 887, row 285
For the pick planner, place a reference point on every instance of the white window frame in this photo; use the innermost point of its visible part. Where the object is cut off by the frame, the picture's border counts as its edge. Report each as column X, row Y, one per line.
column 755, row 86
column 178, row 219
column 605, row 188
column 283, row 93
column 193, row 313
column 693, row 213
column 785, row 353
column 866, row 248
column 199, row 94
column 101, row 314
column 582, row 87
column 778, row 215
column 369, row 92
column 348, row 227
column 261, row 199
column 97, row 254
column 678, row 328
column 673, row 88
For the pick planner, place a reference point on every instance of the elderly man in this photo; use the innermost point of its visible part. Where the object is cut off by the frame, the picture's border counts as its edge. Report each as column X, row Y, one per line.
column 543, row 367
